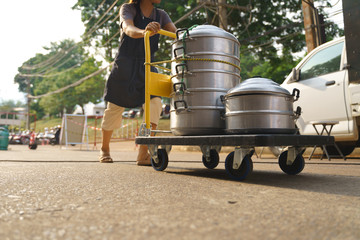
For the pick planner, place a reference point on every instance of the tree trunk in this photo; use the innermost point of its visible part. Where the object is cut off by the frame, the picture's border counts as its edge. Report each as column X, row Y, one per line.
column 222, row 14
column 310, row 34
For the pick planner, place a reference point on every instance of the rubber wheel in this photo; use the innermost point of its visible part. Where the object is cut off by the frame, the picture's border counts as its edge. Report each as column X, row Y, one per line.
column 33, row 146
column 243, row 171
column 163, row 160
column 295, row 168
column 214, row 159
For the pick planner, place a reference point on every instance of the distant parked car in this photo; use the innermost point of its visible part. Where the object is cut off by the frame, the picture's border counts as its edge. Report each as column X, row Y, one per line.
column 134, row 112
column 125, row 114
column 165, row 111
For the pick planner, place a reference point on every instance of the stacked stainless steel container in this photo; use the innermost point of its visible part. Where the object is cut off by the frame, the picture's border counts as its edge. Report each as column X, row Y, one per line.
column 260, row 105
column 208, row 72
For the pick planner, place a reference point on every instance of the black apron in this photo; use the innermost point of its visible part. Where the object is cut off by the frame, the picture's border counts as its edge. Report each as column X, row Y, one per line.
column 126, row 84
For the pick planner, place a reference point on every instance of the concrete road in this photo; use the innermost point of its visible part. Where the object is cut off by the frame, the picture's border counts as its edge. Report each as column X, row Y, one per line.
column 53, row 193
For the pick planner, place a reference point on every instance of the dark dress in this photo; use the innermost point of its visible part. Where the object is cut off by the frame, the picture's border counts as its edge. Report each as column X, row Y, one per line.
column 126, row 84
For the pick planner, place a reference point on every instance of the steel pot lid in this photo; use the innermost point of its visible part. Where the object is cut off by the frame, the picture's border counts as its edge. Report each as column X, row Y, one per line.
column 257, row 85
column 207, row 31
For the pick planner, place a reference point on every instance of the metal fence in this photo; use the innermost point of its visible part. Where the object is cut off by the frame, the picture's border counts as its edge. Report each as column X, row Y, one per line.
column 128, row 130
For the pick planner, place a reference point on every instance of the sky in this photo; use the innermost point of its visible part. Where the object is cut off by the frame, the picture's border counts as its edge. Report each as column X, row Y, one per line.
column 29, row 25
column 26, row 27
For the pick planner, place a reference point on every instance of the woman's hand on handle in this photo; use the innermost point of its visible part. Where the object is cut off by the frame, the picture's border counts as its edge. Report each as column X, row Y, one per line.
column 154, row 27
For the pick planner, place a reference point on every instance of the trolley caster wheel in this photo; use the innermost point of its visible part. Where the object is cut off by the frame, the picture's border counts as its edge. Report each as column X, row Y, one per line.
column 243, row 171
column 214, row 159
column 163, row 160
column 295, row 168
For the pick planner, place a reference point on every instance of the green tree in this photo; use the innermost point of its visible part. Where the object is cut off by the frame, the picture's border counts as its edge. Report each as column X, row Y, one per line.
column 101, row 25
column 9, row 105
column 65, row 64
column 89, row 91
column 270, row 32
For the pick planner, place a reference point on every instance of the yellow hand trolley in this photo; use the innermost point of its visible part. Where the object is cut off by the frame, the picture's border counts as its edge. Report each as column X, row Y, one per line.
column 238, row 164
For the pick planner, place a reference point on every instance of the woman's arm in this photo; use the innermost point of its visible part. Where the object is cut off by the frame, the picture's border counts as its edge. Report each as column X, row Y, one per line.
column 170, row 27
column 135, row 32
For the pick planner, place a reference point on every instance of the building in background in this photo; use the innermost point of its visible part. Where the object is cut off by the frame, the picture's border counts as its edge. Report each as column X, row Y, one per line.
column 91, row 109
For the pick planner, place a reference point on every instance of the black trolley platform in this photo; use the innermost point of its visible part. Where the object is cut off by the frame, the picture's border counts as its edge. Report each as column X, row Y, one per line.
column 238, row 164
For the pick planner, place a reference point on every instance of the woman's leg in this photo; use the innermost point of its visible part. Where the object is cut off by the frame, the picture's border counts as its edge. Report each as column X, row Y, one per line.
column 111, row 120
column 105, row 147
column 106, row 136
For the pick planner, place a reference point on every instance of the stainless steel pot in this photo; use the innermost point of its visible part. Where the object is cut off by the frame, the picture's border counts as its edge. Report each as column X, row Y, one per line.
column 196, row 108
column 259, row 105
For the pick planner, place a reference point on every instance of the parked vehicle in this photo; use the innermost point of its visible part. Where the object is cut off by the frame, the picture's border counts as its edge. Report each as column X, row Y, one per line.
column 21, row 137
column 330, row 91
column 53, row 136
column 48, row 135
column 165, row 113
column 134, row 113
column 56, row 139
column 40, row 138
column 11, row 138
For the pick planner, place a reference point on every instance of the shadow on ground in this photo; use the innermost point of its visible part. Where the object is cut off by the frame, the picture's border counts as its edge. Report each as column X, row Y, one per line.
column 321, row 183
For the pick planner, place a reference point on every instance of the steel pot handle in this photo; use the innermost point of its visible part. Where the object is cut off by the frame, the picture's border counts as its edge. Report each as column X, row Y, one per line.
column 178, row 48
column 296, row 94
column 222, row 99
column 181, row 88
column 222, row 115
column 182, row 30
column 180, row 109
column 180, row 65
column 297, row 112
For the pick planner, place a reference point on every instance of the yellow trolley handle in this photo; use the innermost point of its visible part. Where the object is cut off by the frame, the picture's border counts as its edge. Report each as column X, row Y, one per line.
column 148, row 75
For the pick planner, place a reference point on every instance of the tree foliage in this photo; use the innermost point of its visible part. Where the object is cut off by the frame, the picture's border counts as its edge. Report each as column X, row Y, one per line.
column 101, row 25
column 65, row 63
column 9, row 105
column 270, row 32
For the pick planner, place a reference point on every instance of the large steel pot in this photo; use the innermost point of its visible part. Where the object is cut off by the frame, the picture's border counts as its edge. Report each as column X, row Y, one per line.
column 196, row 108
column 259, row 105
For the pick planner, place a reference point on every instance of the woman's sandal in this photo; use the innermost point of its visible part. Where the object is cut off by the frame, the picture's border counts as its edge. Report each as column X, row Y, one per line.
column 105, row 158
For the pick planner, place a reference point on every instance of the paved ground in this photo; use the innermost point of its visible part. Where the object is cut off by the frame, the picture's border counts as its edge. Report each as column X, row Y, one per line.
column 53, row 193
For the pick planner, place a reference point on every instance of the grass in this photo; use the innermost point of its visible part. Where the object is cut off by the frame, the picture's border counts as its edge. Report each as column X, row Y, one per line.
column 41, row 124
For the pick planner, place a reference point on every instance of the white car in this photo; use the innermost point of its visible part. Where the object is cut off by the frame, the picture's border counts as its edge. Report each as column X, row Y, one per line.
column 327, row 93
